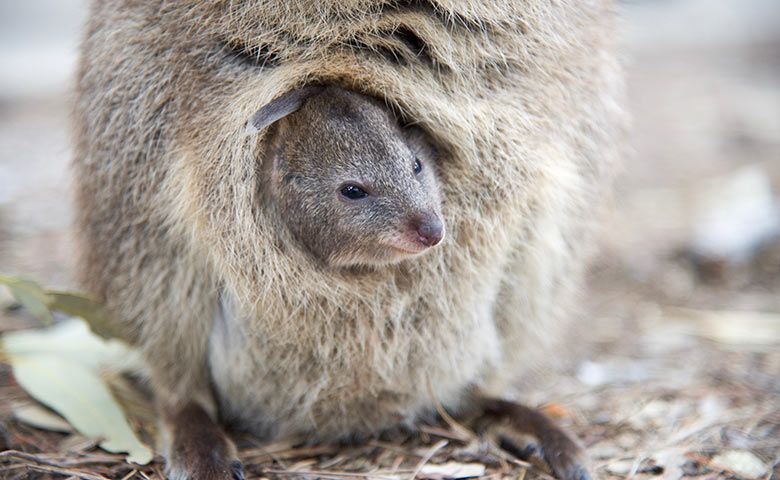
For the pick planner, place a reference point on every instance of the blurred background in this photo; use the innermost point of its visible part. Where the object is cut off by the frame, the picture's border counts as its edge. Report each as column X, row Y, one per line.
column 682, row 369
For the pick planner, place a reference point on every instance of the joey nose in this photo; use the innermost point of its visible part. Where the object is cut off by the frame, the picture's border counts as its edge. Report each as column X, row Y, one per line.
column 429, row 229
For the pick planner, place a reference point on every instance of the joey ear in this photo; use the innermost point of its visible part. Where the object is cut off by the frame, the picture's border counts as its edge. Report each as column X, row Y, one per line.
column 420, row 142
column 280, row 107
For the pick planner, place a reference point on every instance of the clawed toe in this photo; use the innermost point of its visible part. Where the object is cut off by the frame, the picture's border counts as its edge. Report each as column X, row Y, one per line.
column 576, row 472
column 563, row 465
column 237, row 470
column 561, row 453
column 199, row 448
column 524, row 452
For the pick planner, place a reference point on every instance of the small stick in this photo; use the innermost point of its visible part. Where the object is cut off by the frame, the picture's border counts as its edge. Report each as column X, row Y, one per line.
column 64, row 471
column 44, row 460
column 457, row 428
column 327, row 474
column 438, row 446
column 130, row 475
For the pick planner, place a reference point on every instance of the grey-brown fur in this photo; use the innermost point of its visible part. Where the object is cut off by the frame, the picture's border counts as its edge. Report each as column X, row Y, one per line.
column 334, row 138
column 522, row 97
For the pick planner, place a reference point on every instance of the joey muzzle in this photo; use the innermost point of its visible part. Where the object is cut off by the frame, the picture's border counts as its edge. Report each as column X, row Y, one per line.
column 427, row 229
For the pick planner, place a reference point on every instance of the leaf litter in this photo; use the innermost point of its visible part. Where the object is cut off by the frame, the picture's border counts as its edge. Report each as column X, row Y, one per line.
column 633, row 424
column 63, row 367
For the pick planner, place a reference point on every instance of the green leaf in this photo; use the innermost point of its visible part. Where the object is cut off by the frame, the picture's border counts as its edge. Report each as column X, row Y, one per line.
column 31, row 296
column 63, row 366
column 82, row 306
column 41, row 302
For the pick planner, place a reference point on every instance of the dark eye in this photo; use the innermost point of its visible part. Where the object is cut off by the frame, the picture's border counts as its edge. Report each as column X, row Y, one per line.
column 417, row 166
column 353, row 192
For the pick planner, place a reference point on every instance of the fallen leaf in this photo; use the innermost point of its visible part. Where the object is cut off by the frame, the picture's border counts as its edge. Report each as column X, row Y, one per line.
column 30, row 295
column 84, row 307
column 556, row 410
column 63, row 367
column 741, row 462
column 741, row 329
column 73, row 341
column 41, row 302
column 453, row 470
column 38, row 417
column 620, row 467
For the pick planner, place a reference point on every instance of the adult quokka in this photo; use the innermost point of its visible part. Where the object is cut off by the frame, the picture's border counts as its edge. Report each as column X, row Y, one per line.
column 185, row 232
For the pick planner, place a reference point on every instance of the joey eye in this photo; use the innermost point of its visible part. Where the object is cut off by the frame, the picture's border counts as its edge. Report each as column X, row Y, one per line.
column 417, row 166
column 353, row 192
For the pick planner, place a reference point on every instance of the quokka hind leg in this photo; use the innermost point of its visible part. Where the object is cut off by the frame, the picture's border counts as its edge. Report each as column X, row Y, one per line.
column 196, row 447
column 560, row 451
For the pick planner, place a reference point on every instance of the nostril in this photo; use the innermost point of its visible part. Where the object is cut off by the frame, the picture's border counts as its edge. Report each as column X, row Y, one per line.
column 430, row 232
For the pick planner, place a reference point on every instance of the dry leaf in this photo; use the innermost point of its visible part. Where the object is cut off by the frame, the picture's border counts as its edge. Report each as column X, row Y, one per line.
column 41, row 302
column 38, row 417
column 621, row 467
column 453, row 470
column 30, row 295
column 743, row 329
column 556, row 410
column 82, row 306
column 62, row 367
column 741, row 462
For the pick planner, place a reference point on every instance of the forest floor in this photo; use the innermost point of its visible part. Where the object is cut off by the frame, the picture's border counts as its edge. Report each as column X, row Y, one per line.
column 679, row 372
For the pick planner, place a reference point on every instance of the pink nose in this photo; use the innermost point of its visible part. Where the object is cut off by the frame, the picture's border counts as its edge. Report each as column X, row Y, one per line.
column 429, row 229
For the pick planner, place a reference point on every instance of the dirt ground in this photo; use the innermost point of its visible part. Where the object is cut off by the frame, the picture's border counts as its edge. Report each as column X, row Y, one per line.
column 679, row 373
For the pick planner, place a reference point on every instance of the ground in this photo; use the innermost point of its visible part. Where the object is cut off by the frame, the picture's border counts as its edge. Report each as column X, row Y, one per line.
column 678, row 372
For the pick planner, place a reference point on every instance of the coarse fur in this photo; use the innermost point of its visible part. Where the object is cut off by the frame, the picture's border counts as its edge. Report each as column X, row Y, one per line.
column 522, row 100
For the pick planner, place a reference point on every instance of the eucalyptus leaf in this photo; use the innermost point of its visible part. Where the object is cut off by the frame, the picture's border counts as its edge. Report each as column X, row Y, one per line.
column 41, row 302
column 79, row 394
column 38, row 417
column 31, row 296
column 63, row 367
column 73, row 341
column 82, row 306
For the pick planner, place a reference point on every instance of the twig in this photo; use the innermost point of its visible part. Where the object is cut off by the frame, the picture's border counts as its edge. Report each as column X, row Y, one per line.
column 259, row 453
column 438, row 446
column 440, row 432
column 64, row 471
column 13, row 466
column 130, row 475
column 44, row 460
column 467, row 435
column 329, row 474
column 393, row 448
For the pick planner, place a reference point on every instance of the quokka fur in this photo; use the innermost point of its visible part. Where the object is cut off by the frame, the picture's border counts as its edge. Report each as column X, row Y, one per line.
column 523, row 100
